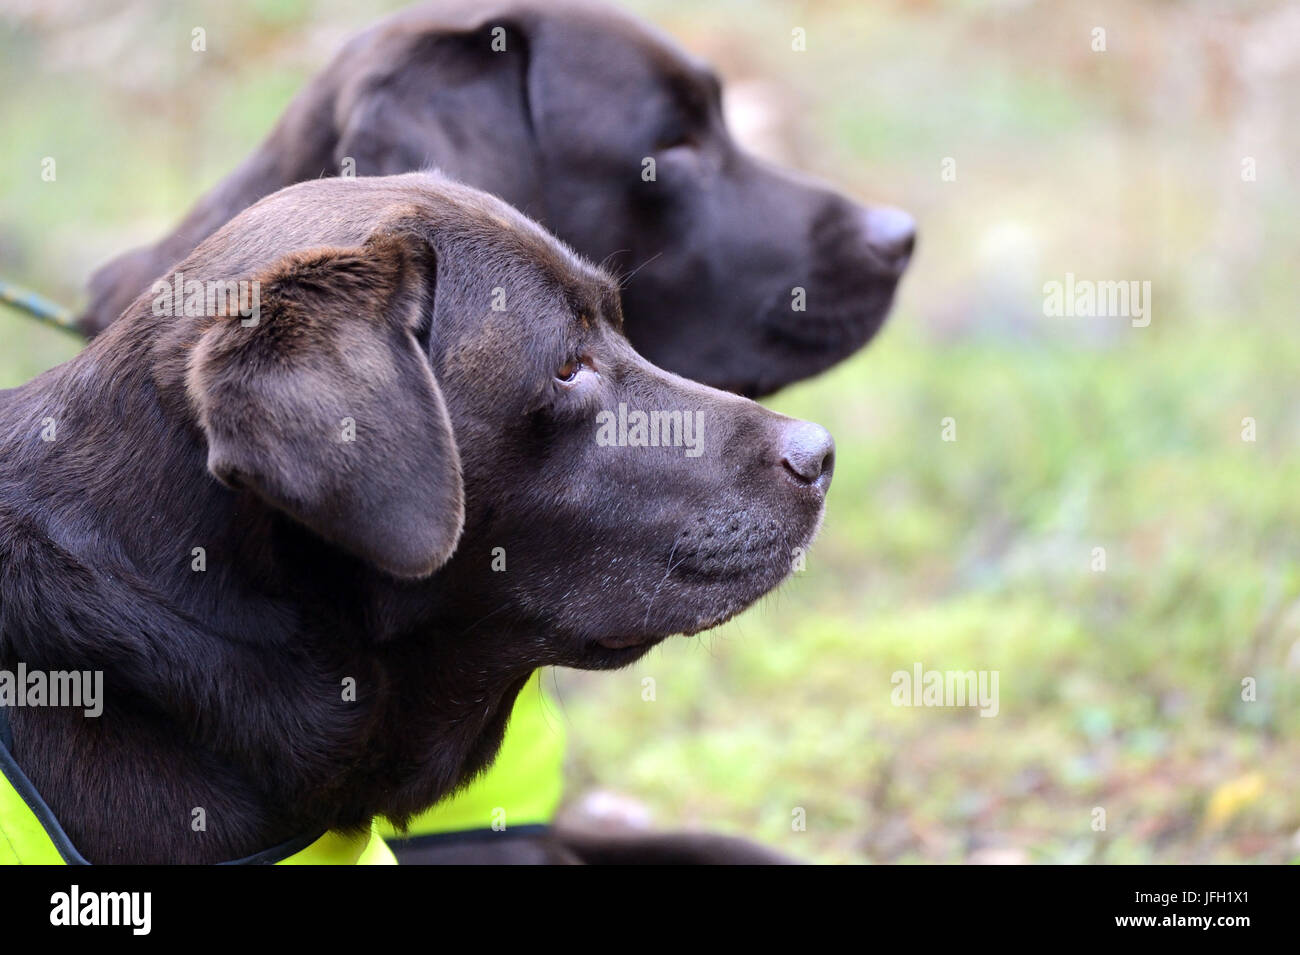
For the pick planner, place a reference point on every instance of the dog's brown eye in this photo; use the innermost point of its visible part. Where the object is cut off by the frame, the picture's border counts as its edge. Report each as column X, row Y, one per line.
column 569, row 370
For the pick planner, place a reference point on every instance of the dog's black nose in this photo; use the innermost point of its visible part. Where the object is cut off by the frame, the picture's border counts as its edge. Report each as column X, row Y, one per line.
column 891, row 233
column 808, row 452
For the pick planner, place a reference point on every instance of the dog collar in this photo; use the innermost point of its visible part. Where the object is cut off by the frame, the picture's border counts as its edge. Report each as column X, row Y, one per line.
column 31, row 835
column 518, row 793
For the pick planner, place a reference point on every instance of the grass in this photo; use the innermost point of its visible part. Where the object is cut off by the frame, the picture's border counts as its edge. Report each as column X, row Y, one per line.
column 1119, row 689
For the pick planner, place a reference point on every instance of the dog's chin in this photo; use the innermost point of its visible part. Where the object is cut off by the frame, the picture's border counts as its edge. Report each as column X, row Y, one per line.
column 613, row 653
column 821, row 337
column 685, row 612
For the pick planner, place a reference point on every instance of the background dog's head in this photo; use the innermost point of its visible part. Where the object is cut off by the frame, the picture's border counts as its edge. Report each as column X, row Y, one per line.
column 430, row 374
column 737, row 274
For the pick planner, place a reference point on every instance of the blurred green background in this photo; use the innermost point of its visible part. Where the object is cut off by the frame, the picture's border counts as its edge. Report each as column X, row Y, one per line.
column 1120, row 689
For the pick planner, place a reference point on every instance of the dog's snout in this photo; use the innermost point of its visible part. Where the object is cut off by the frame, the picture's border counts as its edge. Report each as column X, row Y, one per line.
column 891, row 233
column 808, row 452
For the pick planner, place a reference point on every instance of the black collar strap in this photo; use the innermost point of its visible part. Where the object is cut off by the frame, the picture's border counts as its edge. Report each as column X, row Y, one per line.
column 30, row 832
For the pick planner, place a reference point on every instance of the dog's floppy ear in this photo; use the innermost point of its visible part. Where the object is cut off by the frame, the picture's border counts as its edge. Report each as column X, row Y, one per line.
column 326, row 405
column 454, row 98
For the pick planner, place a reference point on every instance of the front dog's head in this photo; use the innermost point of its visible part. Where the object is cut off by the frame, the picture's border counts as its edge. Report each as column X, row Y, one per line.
column 736, row 274
column 440, row 392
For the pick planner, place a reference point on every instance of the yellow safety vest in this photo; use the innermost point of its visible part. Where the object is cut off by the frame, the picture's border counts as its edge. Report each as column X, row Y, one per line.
column 522, row 788
column 31, row 835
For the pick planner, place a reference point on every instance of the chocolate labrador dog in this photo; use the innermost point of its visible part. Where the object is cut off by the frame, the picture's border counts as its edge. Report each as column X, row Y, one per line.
column 425, row 462
column 737, row 274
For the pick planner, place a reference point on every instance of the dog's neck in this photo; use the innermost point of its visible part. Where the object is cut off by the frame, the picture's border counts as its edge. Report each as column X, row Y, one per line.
column 286, row 688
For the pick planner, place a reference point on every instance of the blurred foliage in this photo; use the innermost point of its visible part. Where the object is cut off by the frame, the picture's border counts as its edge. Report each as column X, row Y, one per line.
column 1120, row 690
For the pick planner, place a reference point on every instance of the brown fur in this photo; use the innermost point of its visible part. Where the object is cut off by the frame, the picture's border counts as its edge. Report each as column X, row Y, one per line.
column 332, row 562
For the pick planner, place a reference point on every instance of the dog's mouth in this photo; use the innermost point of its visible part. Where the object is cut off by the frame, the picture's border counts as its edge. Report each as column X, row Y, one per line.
column 689, row 617
column 713, row 567
column 840, row 326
